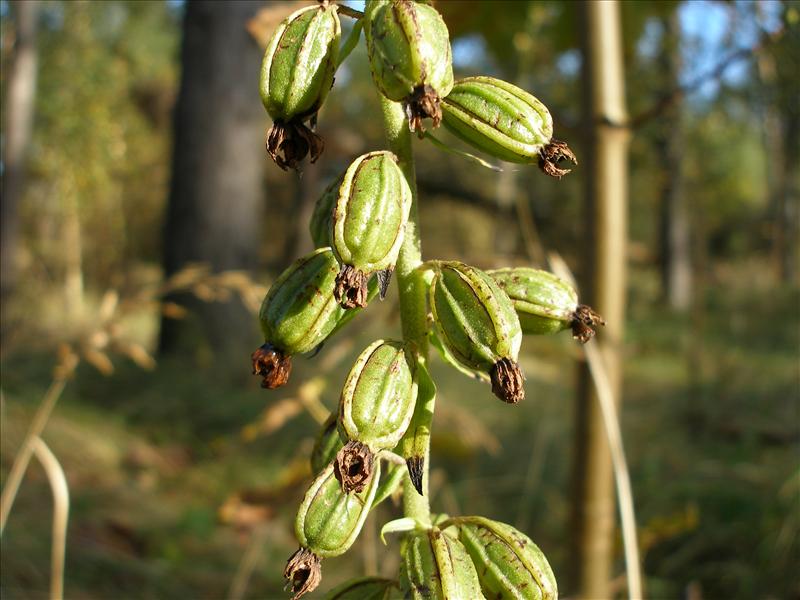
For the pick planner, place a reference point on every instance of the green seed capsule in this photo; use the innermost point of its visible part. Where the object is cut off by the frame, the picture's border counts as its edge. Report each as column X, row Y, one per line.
column 298, row 313
column 506, row 122
column 365, row 588
column 329, row 520
column 327, row 444
column 375, row 408
column 410, row 57
column 509, row 565
column 545, row 303
column 367, row 223
column 477, row 326
column 320, row 225
column 436, row 566
column 296, row 75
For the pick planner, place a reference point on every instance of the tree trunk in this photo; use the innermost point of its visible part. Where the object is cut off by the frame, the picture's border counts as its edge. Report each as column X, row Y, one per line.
column 674, row 228
column 216, row 195
column 19, row 105
column 605, row 160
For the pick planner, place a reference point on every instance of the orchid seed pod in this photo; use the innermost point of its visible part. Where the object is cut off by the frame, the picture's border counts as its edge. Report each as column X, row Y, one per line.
column 436, row 566
column 546, row 303
column 298, row 313
column 375, row 408
column 296, row 76
column 509, row 565
column 365, row 588
column 409, row 54
column 320, row 225
column 477, row 326
column 327, row 444
column 367, row 224
column 329, row 520
column 504, row 121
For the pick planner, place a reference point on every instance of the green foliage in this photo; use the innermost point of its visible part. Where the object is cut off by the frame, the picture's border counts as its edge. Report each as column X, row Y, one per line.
column 105, row 88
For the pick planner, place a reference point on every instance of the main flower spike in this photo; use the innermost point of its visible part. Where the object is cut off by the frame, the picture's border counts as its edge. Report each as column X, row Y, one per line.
column 477, row 326
column 367, row 224
column 296, row 75
column 504, row 121
column 410, row 57
column 298, row 313
column 546, row 303
column 375, row 408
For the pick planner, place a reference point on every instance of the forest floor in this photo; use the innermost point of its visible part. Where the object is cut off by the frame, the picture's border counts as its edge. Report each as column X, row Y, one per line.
column 176, row 475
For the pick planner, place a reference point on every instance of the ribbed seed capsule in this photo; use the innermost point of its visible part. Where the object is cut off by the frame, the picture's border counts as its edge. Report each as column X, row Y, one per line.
column 509, row 565
column 367, row 224
column 327, row 524
column 296, row 75
column 320, row 225
column 477, row 326
column 546, row 303
column 436, row 566
column 329, row 520
column 410, row 57
column 506, row 122
column 327, row 444
column 365, row 588
column 298, row 313
column 375, row 408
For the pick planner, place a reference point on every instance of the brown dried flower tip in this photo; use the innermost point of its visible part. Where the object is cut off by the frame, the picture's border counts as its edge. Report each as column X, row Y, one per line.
column 304, row 572
column 353, row 466
column 423, row 103
column 583, row 322
column 271, row 364
column 552, row 154
column 507, row 381
column 295, row 141
column 351, row 287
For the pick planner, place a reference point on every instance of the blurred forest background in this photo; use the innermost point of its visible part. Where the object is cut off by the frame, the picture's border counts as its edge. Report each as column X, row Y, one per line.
column 142, row 223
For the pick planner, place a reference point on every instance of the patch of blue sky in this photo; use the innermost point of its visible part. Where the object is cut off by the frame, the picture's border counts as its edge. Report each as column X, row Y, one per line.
column 712, row 31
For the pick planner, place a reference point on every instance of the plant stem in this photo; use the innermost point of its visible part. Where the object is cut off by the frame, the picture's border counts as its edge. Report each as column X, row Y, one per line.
column 410, row 285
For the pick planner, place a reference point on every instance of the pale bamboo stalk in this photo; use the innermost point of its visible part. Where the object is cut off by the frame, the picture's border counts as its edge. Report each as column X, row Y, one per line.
column 608, row 408
column 60, row 489
column 23, row 457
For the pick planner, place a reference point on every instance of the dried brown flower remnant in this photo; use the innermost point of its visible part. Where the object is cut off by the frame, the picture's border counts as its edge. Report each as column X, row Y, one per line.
column 271, row 364
column 507, row 381
column 304, row 572
column 423, row 103
column 583, row 323
column 351, row 287
column 353, row 466
column 552, row 154
column 294, row 140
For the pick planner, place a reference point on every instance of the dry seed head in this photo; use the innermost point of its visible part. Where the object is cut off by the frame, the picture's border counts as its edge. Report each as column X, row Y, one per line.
column 353, row 465
column 303, row 572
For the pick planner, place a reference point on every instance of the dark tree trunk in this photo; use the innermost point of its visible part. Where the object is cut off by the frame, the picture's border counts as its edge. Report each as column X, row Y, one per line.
column 19, row 100
column 674, row 228
column 216, row 195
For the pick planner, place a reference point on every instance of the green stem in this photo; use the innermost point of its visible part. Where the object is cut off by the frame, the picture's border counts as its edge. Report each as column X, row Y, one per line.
column 410, row 285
